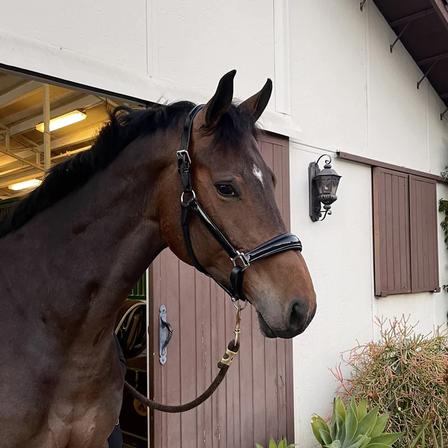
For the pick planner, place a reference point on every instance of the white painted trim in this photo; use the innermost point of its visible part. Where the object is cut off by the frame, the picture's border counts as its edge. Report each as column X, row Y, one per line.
column 152, row 62
column 62, row 63
column 282, row 57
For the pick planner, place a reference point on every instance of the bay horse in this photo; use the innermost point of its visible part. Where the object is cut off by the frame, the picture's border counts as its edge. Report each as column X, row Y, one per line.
column 75, row 246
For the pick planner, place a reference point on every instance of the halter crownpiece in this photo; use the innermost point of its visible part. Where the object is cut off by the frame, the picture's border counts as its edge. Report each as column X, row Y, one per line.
column 190, row 204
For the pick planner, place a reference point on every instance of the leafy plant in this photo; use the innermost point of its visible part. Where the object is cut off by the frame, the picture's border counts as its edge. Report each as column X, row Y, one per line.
column 283, row 443
column 353, row 427
column 404, row 374
column 443, row 208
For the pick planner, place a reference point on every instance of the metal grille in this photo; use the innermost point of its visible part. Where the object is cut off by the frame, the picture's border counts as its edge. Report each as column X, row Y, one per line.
column 138, row 292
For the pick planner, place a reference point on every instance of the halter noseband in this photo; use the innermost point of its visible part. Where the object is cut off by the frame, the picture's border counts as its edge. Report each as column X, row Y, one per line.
column 240, row 260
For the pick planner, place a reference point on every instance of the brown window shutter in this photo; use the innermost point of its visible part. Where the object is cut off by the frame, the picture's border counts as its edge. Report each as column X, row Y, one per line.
column 392, row 260
column 423, row 226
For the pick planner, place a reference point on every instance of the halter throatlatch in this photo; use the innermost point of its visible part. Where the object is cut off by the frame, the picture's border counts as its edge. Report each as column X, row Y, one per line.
column 241, row 260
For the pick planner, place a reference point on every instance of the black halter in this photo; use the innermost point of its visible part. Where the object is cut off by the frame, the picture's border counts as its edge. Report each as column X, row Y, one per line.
column 241, row 260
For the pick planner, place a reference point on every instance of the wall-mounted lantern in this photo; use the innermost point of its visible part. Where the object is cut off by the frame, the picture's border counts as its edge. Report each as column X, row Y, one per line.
column 323, row 185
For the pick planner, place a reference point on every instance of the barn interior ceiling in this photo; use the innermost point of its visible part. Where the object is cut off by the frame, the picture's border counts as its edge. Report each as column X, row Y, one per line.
column 22, row 145
column 422, row 27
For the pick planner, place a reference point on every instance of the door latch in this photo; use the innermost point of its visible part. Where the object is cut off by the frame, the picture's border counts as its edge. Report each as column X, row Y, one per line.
column 165, row 334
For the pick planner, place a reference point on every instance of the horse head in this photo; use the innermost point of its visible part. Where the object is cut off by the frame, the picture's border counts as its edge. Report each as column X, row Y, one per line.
column 235, row 190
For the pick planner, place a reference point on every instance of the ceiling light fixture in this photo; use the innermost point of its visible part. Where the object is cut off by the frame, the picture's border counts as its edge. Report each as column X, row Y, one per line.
column 63, row 120
column 26, row 184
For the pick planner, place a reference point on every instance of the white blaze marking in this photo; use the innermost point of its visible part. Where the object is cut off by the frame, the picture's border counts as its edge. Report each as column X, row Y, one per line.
column 257, row 173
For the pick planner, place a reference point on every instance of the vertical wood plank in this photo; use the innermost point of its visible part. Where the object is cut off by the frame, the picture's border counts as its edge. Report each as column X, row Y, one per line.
column 281, row 388
column 391, row 231
column 423, row 231
column 271, row 388
column 155, row 379
column 377, row 241
column 221, row 395
column 389, row 237
column 203, row 358
column 289, row 392
column 259, row 382
column 247, row 409
column 173, row 365
column 229, row 386
column 187, row 345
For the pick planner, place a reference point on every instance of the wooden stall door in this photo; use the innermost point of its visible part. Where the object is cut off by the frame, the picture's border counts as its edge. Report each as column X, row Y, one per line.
column 256, row 400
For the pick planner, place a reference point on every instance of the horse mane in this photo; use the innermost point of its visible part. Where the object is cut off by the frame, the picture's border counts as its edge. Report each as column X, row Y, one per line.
column 124, row 126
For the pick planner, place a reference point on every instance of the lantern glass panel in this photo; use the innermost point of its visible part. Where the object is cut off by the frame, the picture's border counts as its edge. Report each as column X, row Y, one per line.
column 327, row 186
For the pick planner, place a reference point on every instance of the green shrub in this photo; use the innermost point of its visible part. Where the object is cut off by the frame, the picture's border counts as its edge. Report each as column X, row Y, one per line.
column 404, row 374
column 280, row 444
column 353, row 427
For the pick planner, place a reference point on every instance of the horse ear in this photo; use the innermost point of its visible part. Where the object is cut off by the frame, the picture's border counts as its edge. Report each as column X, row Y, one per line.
column 221, row 100
column 256, row 104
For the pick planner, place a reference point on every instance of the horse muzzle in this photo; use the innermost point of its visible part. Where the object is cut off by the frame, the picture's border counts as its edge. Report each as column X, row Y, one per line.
column 298, row 316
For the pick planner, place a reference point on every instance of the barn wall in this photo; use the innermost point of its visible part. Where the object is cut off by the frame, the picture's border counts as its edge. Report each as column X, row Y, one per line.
column 337, row 86
column 350, row 93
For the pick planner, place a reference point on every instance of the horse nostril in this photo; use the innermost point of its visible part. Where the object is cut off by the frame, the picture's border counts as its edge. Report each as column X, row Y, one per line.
column 298, row 315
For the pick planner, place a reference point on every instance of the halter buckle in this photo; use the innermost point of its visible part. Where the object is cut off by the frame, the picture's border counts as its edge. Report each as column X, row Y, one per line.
column 183, row 156
column 241, row 260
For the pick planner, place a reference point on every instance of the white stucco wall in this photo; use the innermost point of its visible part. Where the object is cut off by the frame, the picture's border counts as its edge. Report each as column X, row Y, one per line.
column 336, row 87
column 350, row 93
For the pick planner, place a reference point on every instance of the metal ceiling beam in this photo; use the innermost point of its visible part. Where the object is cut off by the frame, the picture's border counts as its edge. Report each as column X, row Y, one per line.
column 14, row 167
column 431, row 59
column 34, row 146
column 25, row 113
column 80, row 137
column 19, row 93
column 84, row 102
column 83, row 136
column 11, row 167
column 66, row 154
column 411, row 17
column 26, row 174
column 47, row 136
column 9, row 153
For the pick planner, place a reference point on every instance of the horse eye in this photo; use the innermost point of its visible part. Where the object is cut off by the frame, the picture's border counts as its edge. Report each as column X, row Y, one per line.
column 226, row 190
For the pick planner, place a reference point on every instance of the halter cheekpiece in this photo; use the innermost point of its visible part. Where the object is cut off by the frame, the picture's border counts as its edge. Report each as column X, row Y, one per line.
column 241, row 260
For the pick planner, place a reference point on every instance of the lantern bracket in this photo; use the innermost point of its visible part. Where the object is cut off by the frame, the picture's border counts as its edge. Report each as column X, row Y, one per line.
column 443, row 113
column 315, row 206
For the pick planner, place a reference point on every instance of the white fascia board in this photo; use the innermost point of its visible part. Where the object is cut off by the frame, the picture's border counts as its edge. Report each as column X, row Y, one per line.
column 67, row 65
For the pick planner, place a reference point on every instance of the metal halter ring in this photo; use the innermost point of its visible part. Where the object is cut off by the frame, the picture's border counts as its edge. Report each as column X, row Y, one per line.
column 241, row 260
column 190, row 199
column 237, row 304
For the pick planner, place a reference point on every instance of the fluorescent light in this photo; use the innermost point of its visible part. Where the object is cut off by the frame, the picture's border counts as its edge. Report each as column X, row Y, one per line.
column 31, row 183
column 63, row 120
